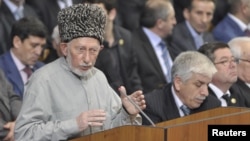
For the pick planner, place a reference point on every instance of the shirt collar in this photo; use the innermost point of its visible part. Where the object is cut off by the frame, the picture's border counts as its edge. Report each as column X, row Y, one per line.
column 192, row 30
column 177, row 100
column 217, row 91
column 13, row 8
column 242, row 25
column 20, row 66
column 153, row 38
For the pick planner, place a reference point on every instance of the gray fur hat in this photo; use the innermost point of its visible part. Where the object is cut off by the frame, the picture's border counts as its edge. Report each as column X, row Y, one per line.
column 81, row 20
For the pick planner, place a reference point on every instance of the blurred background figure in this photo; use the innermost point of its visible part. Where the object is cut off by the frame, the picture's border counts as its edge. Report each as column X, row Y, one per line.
column 28, row 36
column 129, row 13
column 10, row 12
column 153, row 54
column 240, row 47
column 221, row 9
column 193, row 32
column 235, row 23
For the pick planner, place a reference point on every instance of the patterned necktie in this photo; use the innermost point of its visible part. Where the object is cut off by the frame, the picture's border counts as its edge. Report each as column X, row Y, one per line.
column 165, row 56
column 28, row 71
column 185, row 110
column 227, row 98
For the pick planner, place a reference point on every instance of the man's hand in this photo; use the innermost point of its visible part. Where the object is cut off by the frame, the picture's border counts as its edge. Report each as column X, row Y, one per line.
column 138, row 99
column 9, row 126
column 91, row 118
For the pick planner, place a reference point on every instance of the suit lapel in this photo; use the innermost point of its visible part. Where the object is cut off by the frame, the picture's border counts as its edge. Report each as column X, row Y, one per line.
column 188, row 37
column 150, row 52
column 13, row 73
column 170, row 104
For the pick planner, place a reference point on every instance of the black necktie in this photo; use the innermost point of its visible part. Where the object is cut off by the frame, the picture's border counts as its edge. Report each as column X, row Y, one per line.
column 185, row 110
column 227, row 98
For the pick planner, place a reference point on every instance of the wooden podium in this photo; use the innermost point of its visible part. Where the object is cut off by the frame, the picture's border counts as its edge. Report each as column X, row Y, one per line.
column 190, row 128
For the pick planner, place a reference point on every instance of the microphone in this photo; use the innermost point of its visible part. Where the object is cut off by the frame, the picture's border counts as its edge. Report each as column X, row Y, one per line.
column 123, row 92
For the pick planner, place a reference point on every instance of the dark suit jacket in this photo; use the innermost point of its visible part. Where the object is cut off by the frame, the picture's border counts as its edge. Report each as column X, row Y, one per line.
column 129, row 13
column 10, row 103
column 8, row 20
column 161, row 105
column 11, row 72
column 47, row 11
column 182, row 39
column 148, row 66
column 235, row 94
column 118, row 63
column 226, row 30
column 245, row 90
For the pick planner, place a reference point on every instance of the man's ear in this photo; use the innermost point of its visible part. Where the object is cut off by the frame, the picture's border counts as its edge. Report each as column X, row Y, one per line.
column 177, row 83
column 64, row 48
column 159, row 23
column 17, row 42
column 112, row 14
column 186, row 13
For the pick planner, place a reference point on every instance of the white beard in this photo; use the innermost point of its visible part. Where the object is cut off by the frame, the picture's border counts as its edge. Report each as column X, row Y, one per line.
column 75, row 70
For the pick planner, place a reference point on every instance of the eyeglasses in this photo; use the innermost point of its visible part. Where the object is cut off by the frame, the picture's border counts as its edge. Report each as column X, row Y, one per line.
column 227, row 62
column 244, row 60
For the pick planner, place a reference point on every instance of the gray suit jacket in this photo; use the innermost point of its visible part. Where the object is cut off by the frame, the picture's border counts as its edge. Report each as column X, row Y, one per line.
column 182, row 39
column 10, row 103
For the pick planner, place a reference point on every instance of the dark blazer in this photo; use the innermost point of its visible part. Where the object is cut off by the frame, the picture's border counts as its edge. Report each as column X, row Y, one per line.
column 10, row 104
column 119, row 62
column 245, row 90
column 227, row 29
column 8, row 20
column 47, row 11
column 182, row 39
column 129, row 13
column 235, row 94
column 3, row 38
column 161, row 105
column 148, row 66
column 11, row 72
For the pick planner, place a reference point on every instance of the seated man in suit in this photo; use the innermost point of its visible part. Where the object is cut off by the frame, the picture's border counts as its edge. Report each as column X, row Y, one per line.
column 240, row 47
column 222, row 86
column 235, row 23
column 28, row 37
column 10, row 105
column 192, row 33
column 191, row 73
column 154, row 56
